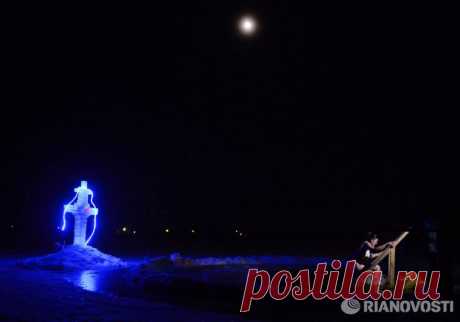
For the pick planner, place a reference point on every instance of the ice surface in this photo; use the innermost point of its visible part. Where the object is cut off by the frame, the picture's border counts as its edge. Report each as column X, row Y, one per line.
column 44, row 295
column 73, row 257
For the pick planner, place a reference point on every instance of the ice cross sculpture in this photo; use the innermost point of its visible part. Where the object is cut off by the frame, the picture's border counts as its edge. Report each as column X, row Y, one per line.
column 82, row 207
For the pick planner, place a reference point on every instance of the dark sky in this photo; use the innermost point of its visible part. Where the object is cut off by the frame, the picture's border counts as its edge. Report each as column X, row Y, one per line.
column 329, row 117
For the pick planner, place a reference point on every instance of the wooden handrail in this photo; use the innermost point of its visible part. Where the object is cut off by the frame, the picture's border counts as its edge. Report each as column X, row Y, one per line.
column 391, row 253
column 386, row 251
column 400, row 238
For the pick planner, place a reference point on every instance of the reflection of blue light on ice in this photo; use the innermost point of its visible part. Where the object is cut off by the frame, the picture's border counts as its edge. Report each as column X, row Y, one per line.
column 88, row 281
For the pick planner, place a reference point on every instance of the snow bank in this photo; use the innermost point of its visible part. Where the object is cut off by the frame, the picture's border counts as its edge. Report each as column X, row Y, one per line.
column 201, row 274
column 178, row 260
column 73, row 257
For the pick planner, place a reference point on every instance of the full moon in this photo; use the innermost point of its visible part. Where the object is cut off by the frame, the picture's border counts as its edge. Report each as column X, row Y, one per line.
column 247, row 25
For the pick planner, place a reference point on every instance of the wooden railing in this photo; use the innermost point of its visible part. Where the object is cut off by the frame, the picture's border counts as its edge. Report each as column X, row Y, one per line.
column 391, row 253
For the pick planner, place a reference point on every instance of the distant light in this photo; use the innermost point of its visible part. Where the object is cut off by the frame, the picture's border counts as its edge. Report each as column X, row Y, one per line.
column 241, row 234
column 193, row 231
column 124, row 229
column 236, row 230
column 134, row 232
column 167, row 230
column 12, row 226
column 247, row 25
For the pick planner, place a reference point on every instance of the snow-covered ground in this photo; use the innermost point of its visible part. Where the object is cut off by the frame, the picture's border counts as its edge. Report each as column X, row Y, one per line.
column 73, row 258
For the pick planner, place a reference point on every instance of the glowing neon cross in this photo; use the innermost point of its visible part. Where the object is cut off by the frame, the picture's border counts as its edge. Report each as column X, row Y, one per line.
column 82, row 207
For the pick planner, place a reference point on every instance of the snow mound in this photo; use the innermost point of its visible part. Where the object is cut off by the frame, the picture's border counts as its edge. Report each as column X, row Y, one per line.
column 266, row 261
column 73, row 257
column 178, row 260
column 200, row 274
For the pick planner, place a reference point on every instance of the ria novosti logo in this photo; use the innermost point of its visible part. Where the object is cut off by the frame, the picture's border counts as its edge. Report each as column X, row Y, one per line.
column 367, row 288
column 353, row 306
column 350, row 306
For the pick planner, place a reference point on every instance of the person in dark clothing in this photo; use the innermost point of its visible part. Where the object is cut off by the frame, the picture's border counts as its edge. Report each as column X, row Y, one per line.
column 370, row 250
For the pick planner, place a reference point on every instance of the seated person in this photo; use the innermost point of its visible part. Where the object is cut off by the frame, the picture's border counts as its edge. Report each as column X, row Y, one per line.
column 369, row 250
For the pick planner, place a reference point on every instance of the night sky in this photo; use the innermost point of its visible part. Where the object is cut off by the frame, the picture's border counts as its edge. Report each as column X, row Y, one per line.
column 326, row 119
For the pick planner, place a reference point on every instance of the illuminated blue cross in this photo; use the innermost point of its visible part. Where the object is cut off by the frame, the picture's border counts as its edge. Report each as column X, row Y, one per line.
column 82, row 207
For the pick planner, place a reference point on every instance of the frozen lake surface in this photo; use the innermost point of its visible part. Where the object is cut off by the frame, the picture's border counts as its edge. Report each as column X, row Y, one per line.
column 155, row 289
column 42, row 295
column 161, row 289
